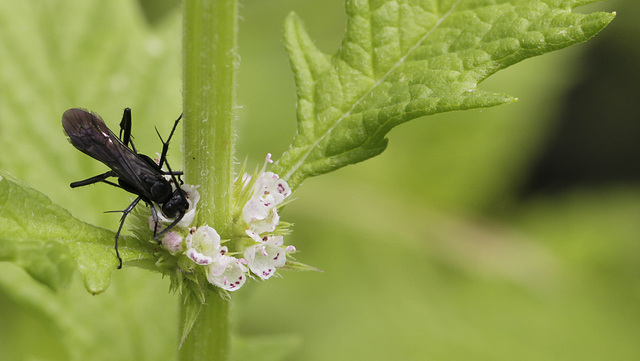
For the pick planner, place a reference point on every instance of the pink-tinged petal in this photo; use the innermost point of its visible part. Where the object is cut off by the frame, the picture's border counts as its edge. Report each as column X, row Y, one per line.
column 172, row 242
column 263, row 259
column 254, row 210
column 233, row 274
column 198, row 258
column 203, row 245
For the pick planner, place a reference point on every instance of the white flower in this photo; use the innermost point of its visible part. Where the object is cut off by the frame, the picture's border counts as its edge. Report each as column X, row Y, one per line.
column 203, row 245
column 204, row 249
column 254, row 210
column 227, row 273
column 268, row 192
column 260, row 212
column 263, row 220
column 271, row 189
column 266, row 256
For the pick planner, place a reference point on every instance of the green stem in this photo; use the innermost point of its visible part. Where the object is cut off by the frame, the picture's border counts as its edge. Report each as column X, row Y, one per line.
column 210, row 61
column 210, row 337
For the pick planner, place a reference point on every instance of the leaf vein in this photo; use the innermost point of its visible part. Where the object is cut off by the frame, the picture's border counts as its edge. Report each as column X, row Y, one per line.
column 346, row 115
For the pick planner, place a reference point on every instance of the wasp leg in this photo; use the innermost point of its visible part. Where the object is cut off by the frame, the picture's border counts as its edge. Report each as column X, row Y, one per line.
column 125, row 213
column 177, row 173
column 125, row 127
column 165, row 149
column 154, row 215
column 165, row 145
column 173, row 224
column 99, row 178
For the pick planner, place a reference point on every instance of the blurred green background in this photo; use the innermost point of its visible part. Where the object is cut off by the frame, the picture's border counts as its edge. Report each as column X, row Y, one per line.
column 509, row 233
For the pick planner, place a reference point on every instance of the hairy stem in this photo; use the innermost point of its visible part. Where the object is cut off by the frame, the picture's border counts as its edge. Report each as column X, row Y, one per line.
column 210, row 61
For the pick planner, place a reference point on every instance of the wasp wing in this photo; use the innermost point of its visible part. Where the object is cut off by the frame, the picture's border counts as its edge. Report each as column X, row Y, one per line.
column 89, row 134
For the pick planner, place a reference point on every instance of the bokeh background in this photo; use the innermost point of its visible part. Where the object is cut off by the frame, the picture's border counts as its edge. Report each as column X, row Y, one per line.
column 509, row 233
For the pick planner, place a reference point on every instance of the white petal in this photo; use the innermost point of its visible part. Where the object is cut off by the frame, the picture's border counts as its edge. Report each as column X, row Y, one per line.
column 275, row 241
column 268, row 201
column 205, row 241
column 263, row 259
column 187, row 219
column 268, row 224
column 193, row 196
column 255, row 236
column 233, row 275
column 280, row 189
column 254, row 210
column 198, row 257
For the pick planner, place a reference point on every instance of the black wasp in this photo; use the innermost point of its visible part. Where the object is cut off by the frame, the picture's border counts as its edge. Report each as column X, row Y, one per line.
column 136, row 173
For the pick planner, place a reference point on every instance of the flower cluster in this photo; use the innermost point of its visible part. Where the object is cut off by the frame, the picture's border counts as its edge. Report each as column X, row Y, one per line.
column 261, row 215
column 259, row 249
column 222, row 270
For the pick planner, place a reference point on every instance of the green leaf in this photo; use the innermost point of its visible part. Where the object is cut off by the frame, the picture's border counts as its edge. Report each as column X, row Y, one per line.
column 72, row 325
column 101, row 56
column 403, row 60
column 49, row 243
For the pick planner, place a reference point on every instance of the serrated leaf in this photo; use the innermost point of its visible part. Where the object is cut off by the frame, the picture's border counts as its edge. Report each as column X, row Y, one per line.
column 400, row 60
column 49, row 243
